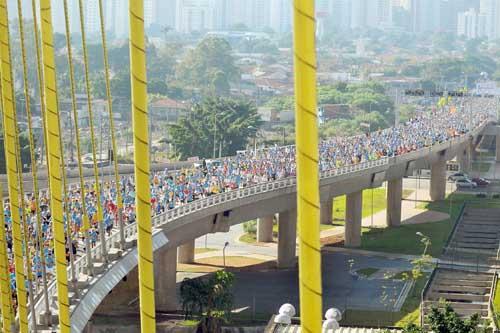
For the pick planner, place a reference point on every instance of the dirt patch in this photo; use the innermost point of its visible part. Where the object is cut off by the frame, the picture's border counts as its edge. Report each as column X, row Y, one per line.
column 334, row 240
column 233, row 263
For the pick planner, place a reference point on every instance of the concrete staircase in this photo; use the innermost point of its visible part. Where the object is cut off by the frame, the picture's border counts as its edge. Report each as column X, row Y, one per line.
column 467, row 292
column 478, row 232
column 476, row 238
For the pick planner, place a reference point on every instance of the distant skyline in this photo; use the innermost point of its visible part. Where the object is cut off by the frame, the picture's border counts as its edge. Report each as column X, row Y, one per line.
column 470, row 18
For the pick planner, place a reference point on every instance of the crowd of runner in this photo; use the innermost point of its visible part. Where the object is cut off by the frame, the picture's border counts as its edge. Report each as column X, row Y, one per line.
column 170, row 189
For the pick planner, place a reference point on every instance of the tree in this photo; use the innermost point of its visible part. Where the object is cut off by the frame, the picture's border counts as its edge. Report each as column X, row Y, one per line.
column 281, row 103
column 374, row 118
column 211, row 299
column 407, row 112
column 258, row 45
column 448, row 321
column 207, row 63
column 330, row 95
column 444, row 319
column 231, row 122
column 25, row 152
column 120, row 83
column 157, row 86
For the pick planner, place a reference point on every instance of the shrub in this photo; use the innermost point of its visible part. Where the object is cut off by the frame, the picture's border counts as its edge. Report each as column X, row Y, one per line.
column 250, row 227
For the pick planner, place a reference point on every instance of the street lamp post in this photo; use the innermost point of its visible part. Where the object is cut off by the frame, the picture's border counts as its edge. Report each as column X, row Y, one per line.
column 254, row 139
column 224, row 254
column 424, row 239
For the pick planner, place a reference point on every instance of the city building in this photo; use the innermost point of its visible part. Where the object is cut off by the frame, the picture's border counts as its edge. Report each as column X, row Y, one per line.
column 468, row 24
column 164, row 12
column 193, row 15
column 254, row 14
column 116, row 18
column 168, row 109
column 491, row 10
column 371, row 13
column 280, row 18
column 425, row 15
column 340, row 13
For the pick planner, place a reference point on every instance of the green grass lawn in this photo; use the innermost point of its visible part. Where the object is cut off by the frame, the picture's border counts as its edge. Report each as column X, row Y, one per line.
column 379, row 204
column 189, row 323
column 496, row 303
column 480, row 166
column 252, row 237
column 409, row 313
column 248, row 238
column 200, row 250
column 367, row 272
column 404, row 239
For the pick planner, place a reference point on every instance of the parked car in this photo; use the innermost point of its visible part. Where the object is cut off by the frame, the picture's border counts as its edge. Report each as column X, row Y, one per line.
column 465, row 183
column 481, row 181
column 457, row 175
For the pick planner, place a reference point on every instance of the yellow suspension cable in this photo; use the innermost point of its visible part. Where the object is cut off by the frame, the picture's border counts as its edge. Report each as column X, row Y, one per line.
column 69, row 236
column 6, row 293
column 52, row 115
column 33, row 174
column 141, row 165
column 24, row 224
column 306, row 125
column 41, row 244
column 100, row 221
column 119, row 199
column 85, row 217
column 8, row 107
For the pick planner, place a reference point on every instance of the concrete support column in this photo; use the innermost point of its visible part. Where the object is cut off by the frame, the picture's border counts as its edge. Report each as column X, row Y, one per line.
column 353, row 215
column 186, row 253
column 472, row 149
column 438, row 180
column 394, row 197
column 265, row 229
column 165, row 267
column 287, row 238
column 498, row 148
column 463, row 160
column 326, row 211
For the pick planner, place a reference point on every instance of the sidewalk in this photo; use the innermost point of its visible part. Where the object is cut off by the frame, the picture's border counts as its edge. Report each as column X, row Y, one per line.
column 409, row 213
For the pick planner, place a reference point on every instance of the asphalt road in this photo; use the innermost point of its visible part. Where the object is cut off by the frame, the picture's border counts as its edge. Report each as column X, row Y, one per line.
column 268, row 290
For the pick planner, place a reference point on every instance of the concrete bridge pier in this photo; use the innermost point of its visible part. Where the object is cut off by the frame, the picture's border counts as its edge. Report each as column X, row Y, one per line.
column 165, row 270
column 463, row 159
column 438, row 180
column 353, row 216
column 265, row 229
column 186, row 253
column 394, row 197
column 287, row 238
column 326, row 211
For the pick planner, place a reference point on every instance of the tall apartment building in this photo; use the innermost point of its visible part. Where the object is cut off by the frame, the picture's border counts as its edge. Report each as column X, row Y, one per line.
column 254, row 14
column 340, row 14
column 491, row 10
column 193, row 15
column 371, row 13
column 425, row 15
column 471, row 24
column 280, row 18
